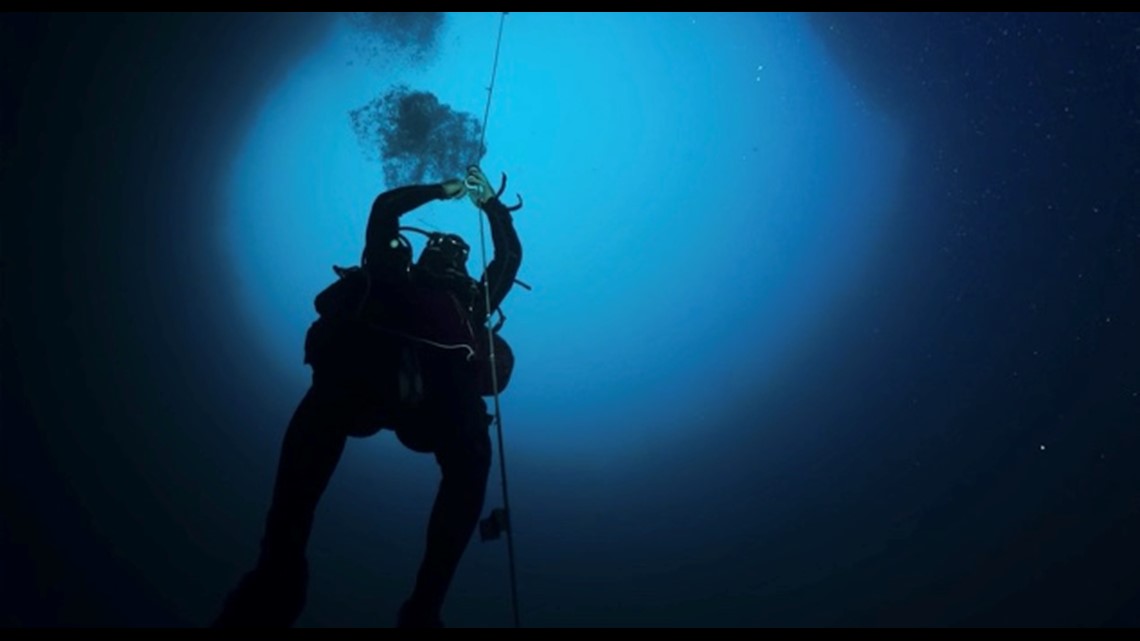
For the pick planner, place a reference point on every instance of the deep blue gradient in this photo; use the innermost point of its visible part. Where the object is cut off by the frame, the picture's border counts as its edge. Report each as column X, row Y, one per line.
column 693, row 213
column 834, row 317
column 693, row 216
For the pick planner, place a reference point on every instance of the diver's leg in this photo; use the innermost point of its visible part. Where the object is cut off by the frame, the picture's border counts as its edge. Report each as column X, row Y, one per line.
column 464, row 458
column 310, row 452
column 273, row 594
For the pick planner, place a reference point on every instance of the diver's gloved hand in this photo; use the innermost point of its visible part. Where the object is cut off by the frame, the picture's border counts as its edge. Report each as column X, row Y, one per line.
column 454, row 189
column 478, row 187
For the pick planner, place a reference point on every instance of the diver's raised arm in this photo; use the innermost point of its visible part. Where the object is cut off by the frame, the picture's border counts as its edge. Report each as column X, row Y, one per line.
column 389, row 206
column 507, row 249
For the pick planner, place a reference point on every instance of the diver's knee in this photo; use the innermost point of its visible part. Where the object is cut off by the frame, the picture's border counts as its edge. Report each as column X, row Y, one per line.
column 468, row 460
column 481, row 462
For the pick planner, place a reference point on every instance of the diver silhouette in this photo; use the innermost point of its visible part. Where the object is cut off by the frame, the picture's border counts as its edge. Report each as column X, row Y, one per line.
column 403, row 346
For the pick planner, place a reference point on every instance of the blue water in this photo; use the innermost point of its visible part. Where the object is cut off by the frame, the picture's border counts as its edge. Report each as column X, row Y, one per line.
column 703, row 196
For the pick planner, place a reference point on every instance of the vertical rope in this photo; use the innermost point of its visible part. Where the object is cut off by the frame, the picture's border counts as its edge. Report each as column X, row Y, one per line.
column 491, row 87
column 491, row 344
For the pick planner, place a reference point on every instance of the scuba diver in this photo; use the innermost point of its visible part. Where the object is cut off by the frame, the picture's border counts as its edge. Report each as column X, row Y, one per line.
column 403, row 346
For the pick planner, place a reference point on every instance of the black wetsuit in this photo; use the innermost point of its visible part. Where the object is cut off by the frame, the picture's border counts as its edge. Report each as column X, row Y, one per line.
column 356, row 390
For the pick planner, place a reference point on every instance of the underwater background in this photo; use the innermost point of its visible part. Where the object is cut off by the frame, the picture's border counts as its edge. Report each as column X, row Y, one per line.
column 834, row 318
